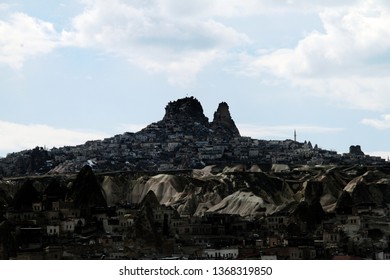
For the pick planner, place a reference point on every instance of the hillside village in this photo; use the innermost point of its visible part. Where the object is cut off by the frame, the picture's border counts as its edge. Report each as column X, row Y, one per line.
column 187, row 188
column 78, row 217
column 184, row 139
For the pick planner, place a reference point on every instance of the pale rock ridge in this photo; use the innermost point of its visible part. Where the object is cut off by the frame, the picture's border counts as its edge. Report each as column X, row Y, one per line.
column 241, row 202
column 165, row 187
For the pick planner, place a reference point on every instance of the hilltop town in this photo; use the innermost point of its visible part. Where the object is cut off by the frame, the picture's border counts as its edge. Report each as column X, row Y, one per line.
column 183, row 139
column 187, row 188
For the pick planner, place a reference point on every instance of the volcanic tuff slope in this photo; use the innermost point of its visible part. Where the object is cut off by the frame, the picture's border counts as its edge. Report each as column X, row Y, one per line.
column 185, row 138
column 244, row 193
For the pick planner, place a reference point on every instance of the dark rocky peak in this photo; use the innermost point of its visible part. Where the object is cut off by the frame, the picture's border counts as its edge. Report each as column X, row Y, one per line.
column 25, row 196
column 344, row 203
column 150, row 200
column 53, row 192
column 223, row 122
column 356, row 150
column 185, row 109
column 86, row 190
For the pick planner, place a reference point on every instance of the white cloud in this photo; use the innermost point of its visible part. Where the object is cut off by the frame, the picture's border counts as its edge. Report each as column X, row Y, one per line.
column 382, row 124
column 239, row 8
column 23, row 36
column 382, row 154
column 285, row 132
column 15, row 137
column 348, row 62
column 144, row 34
column 180, row 38
column 3, row 6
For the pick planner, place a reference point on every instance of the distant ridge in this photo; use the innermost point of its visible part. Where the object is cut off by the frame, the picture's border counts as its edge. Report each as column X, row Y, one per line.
column 183, row 139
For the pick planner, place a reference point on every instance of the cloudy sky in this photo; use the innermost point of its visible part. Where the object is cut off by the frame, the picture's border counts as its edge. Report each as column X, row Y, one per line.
column 76, row 70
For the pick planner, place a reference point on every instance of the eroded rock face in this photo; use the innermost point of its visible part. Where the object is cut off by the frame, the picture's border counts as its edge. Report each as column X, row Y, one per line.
column 116, row 189
column 325, row 188
column 187, row 109
column 86, row 190
column 165, row 188
column 221, row 190
column 223, row 124
column 25, row 196
column 371, row 188
column 356, row 150
column 241, row 203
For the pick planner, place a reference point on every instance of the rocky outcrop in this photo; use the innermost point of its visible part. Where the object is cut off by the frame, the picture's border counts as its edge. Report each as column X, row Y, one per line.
column 325, row 188
column 116, row 189
column 309, row 214
column 185, row 109
column 54, row 192
column 211, row 189
column 356, row 150
column 86, row 191
column 228, row 192
column 26, row 196
column 371, row 188
column 165, row 188
column 240, row 203
column 344, row 204
column 223, row 124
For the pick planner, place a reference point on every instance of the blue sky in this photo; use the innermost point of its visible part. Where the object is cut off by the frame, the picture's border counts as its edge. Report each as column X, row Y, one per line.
column 71, row 71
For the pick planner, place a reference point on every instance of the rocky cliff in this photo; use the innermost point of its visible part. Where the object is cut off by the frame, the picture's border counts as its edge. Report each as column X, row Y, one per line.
column 186, row 115
column 186, row 109
column 86, row 191
column 223, row 191
column 223, row 125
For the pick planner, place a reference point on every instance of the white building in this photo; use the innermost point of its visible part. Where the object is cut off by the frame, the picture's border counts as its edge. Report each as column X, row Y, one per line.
column 226, row 253
column 67, row 226
column 53, row 230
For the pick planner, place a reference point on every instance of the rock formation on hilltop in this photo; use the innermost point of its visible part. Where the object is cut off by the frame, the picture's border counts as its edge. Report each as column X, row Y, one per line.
column 185, row 109
column 182, row 117
column 184, row 133
column 187, row 114
column 183, row 139
column 223, row 124
column 356, row 150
